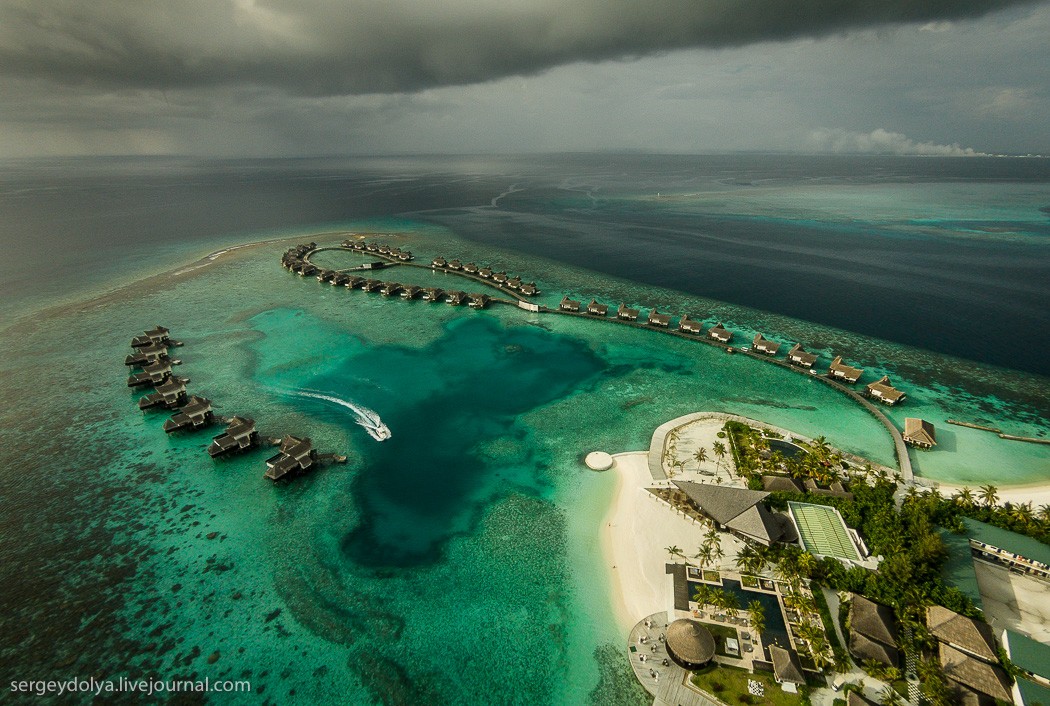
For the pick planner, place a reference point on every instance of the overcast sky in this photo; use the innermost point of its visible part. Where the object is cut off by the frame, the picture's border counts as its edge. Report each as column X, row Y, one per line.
column 318, row 77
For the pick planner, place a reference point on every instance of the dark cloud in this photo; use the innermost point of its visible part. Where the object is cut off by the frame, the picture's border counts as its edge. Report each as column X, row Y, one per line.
column 311, row 47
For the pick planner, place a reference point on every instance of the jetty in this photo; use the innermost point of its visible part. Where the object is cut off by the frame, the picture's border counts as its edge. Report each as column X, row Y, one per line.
column 971, row 425
column 240, row 435
column 197, row 414
column 296, row 456
column 1028, row 439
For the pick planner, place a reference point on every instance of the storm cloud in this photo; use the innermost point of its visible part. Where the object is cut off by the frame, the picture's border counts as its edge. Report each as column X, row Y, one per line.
column 319, row 48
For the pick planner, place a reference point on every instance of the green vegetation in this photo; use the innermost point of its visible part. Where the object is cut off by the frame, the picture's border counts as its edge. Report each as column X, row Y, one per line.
column 825, row 616
column 730, row 685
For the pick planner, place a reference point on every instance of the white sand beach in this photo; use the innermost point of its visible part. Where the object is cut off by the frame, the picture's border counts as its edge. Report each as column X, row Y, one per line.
column 1037, row 494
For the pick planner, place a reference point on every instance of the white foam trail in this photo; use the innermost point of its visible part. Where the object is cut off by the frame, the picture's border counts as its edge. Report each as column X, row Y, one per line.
column 365, row 417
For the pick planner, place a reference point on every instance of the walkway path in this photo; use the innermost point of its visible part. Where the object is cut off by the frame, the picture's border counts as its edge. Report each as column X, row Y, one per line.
column 670, row 685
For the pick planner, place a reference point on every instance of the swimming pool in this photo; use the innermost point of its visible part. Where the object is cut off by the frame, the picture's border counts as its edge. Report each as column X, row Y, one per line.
column 776, row 629
column 786, row 448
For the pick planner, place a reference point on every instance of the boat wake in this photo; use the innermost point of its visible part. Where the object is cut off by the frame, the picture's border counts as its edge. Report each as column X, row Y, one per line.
column 365, row 417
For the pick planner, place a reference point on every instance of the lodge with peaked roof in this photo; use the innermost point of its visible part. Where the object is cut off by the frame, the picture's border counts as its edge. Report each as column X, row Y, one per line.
column 719, row 333
column 156, row 335
column 151, row 375
column 439, row 262
column 919, row 432
column 740, row 511
column 169, row 394
column 296, row 455
column 478, row 301
column 872, row 632
column 884, row 392
column 146, row 355
column 798, row 356
column 432, row 294
column 529, row 289
column 763, row 345
column 240, row 435
column 840, row 371
column 596, row 309
column 569, row 304
column 196, row 414
column 624, row 313
column 786, row 665
column 974, row 637
column 973, row 680
column 687, row 325
column 658, row 319
column 411, row 291
column 455, row 297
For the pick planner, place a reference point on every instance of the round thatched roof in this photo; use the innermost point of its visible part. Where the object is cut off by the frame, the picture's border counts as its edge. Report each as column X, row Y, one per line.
column 690, row 641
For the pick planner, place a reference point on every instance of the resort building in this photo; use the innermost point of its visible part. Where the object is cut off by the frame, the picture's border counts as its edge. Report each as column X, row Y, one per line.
column 169, row 394
column 689, row 644
column 355, row 282
column 455, row 265
column 884, row 392
column 146, row 355
column 240, row 435
column 195, row 415
column 569, row 304
column 499, row 277
column 626, row 314
column 155, row 335
column 855, row 698
column 823, row 533
column 919, row 432
column 513, row 283
column 658, row 319
column 152, row 374
column 1018, row 553
column 340, row 279
column 411, row 292
column 739, row 511
column 479, row 301
column 974, row 637
column 798, row 356
column 1032, row 660
column 719, row 333
column 432, row 294
column 786, row 665
column 529, row 289
column 439, row 262
column 688, row 325
column 485, row 273
column 390, row 289
column 973, row 680
column 371, row 285
column 296, row 456
column 325, row 275
column 596, row 309
column 455, row 298
column 841, row 371
column 307, row 270
column 872, row 632
column 763, row 345
column 470, row 268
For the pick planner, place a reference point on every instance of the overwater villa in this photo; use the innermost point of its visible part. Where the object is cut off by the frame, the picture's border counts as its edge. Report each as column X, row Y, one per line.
column 470, row 268
column 455, row 298
column 433, row 294
column 455, row 265
column 884, row 392
column 687, row 325
column 485, row 273
column 389, row 289
column 529, row 289
column 151, row 375
column 513, row 283
column 499, row 277
column 169, row 394
column 326, row 275
column 919, row 432
column 569, row 304
column 240, row 435
column 719, row 333
column 371, row 285
column 371, row 247
column 658, row 319
column 624, row 313
column 147, row 355
column 307, row 270
column 841, row 371
column 596, row 309
column 197, row 414
column 296, row 456
column 411, row 292
column 383, row 249
column 354, row 244
column 439, row 262
column 478, row 301
column 340, row 280
column 762, row 344
column 156, row 335
column 798, row 356
column 354, row 282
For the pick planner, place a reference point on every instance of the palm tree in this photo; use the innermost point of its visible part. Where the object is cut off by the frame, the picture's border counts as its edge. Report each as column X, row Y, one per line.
column 720, row 452
column 1044, row 513
column 700, row 455
column 702, row 595
column 704, row 555
column 889, row 697
column 964, row 497
column 749, row 561
column 756, row 614
column 674, row 551
column 807, row 564
column 1022, row 513
column 989, row 495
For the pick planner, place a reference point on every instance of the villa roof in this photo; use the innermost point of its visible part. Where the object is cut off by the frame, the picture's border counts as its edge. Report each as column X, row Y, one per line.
column 569, row 304
column 967, row 634
column 718, row 331
column 864, row 648
column 595, row 308
column 625, row 310
column 920, row 431
column 759, row 523
column 687, row 324
column 721, row 503
column 847, row 371
column 781, row 483
column 655, row 317
column 974, row 673
column 764, row 344
column 884, row 389
column 786, row 665
column 873, row 620
column 690, row 641
column 799, row 354
column 856, row 698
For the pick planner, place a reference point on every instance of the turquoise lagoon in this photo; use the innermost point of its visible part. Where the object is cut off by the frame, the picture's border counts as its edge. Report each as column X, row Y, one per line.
column 457, row 562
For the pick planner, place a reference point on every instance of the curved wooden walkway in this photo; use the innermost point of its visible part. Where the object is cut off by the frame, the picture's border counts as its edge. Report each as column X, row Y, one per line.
column 899, row 448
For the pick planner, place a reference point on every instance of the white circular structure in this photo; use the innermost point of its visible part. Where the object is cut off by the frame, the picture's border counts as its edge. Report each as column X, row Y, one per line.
column 599, row 461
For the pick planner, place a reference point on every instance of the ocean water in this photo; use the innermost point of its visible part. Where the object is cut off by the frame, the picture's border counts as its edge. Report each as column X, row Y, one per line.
column 459, row 561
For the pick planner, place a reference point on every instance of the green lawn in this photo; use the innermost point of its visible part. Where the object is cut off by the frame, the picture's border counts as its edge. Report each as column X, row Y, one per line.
column 720, row 633
column 730, row 685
